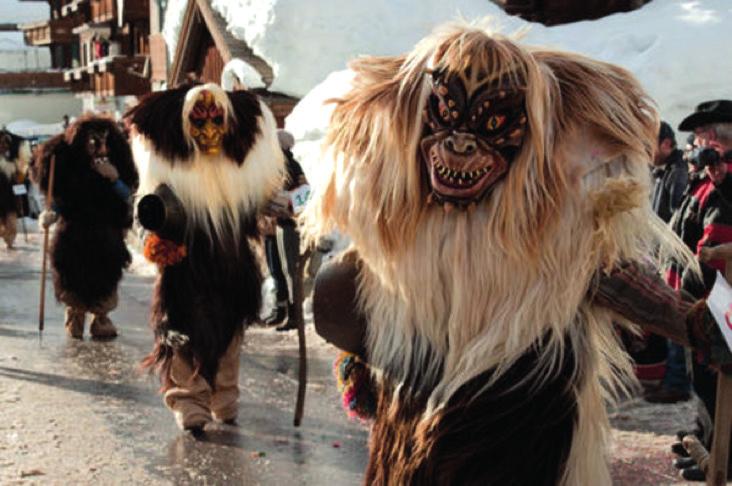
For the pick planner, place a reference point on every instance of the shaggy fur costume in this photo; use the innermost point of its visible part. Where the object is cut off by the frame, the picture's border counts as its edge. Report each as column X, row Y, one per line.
column 88, row 251
column 206, row 299
column 493, row 363
column 12, row 164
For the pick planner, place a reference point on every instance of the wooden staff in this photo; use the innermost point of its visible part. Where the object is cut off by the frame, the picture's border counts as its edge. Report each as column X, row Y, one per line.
column 298, row 297
column 49, row 198
column 716, row 472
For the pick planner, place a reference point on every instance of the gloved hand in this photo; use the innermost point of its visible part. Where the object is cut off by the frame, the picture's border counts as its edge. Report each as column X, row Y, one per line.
column 47, row 218
column 106, row 169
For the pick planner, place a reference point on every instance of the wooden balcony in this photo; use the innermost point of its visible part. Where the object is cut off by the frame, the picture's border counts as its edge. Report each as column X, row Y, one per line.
column 48, row 32
column 112, row 76
column 102, row 11
column 78, row 80
column 75, row 7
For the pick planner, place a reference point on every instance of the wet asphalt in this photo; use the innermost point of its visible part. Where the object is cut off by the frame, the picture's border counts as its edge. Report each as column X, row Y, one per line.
column 82, row 411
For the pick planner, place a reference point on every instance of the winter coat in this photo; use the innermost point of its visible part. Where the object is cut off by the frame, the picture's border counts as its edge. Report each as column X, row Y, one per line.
column 670, row 181
column 704, row 219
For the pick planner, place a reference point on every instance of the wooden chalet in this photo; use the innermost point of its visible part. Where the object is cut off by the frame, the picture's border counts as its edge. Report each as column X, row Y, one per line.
column 205, row 46
column 101, row 45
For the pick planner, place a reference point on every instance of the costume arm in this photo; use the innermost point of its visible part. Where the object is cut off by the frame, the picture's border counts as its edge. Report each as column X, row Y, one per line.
column 679, row 179
column 638, row 294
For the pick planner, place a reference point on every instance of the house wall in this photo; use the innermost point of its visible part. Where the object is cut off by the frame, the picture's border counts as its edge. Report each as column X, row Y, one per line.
column 40, row 107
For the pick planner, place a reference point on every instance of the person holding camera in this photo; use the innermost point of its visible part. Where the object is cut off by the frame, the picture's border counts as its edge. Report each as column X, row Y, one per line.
column 704, row 219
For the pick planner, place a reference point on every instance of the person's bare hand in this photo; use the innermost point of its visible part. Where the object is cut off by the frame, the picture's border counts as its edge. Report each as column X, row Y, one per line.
column 107, row 170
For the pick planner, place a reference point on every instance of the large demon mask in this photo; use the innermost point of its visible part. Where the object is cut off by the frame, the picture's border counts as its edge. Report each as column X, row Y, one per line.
column 207, row 123
column 474, row 128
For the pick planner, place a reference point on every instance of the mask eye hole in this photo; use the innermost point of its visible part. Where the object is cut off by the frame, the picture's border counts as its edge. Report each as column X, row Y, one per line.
column 197, row 122
column 495, row 122
column 218, row 120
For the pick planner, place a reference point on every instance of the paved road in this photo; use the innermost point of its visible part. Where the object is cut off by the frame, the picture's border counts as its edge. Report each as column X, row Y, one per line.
column 82, row 412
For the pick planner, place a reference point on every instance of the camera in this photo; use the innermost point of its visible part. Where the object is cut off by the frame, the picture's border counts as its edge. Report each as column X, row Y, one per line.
column 702, row 157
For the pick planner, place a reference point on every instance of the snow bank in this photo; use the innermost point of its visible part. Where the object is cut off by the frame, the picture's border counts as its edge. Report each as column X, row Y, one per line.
column 304, row 41
column 239, row 70
column 172, row 22
column 674, row 48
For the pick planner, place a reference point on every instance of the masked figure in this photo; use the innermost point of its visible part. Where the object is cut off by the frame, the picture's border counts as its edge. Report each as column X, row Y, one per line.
column 214, row 157
column 14, row 159
column 94, row 179
column 497, row 201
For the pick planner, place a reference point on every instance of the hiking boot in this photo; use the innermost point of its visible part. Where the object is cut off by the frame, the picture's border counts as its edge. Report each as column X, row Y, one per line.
column 102, row 328
column 291, row 323
column 74, row 323
column 278, row 315
column 693, row 474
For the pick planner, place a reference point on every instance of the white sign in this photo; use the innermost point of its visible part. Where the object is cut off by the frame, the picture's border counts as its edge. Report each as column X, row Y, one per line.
column 720, row 304
column 19, row 189
column 299, row 198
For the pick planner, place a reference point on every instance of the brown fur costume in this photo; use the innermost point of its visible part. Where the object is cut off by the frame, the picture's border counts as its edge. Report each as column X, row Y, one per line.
column 207, row 298
column 88, row 252
column 13, row 163
column 494, row 365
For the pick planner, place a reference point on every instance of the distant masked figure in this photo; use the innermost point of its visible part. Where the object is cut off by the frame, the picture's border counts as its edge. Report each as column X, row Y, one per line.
column 14, row 158
column 94, row 179
column 209, row 161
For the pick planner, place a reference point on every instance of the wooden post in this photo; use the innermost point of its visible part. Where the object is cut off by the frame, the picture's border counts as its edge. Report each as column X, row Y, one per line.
column 49, row 198
column 297, row 298
column 719, row 456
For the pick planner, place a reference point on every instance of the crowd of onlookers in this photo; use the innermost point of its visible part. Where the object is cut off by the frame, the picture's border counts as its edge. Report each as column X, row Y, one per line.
column 692, row 192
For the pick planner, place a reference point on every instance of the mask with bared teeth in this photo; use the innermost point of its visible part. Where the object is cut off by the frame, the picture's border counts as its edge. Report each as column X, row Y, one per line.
column 473, row 131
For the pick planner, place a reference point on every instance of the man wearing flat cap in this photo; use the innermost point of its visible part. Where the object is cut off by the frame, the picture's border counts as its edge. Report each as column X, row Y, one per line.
column 704, row 219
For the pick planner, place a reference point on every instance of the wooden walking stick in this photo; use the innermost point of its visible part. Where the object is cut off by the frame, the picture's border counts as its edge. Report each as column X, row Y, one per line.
column 716, row 472
column 49, row 198
column 298, row 298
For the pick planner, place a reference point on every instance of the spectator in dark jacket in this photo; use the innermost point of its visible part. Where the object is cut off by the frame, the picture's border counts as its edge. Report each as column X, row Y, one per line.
column 670, row 174
column 704, row 219
column 282, row 240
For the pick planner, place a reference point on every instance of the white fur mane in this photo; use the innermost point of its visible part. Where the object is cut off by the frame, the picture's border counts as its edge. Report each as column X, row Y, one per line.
column 216, row 191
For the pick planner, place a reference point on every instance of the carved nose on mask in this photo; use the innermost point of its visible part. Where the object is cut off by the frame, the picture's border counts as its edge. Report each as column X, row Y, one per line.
column 461, row 144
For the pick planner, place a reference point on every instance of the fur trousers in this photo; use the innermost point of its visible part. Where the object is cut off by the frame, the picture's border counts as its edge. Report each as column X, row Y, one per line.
column 8, row 228
column 193, row 401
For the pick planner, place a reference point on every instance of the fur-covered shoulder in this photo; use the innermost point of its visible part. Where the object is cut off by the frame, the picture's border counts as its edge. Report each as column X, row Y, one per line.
column 40, row 169
column 240, row 138
column 158, row 118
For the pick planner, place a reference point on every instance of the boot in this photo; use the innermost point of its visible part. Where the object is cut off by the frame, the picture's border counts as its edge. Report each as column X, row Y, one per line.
column 74, row 323
column 102, row 328
column 278, row 315
column 290, row 324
